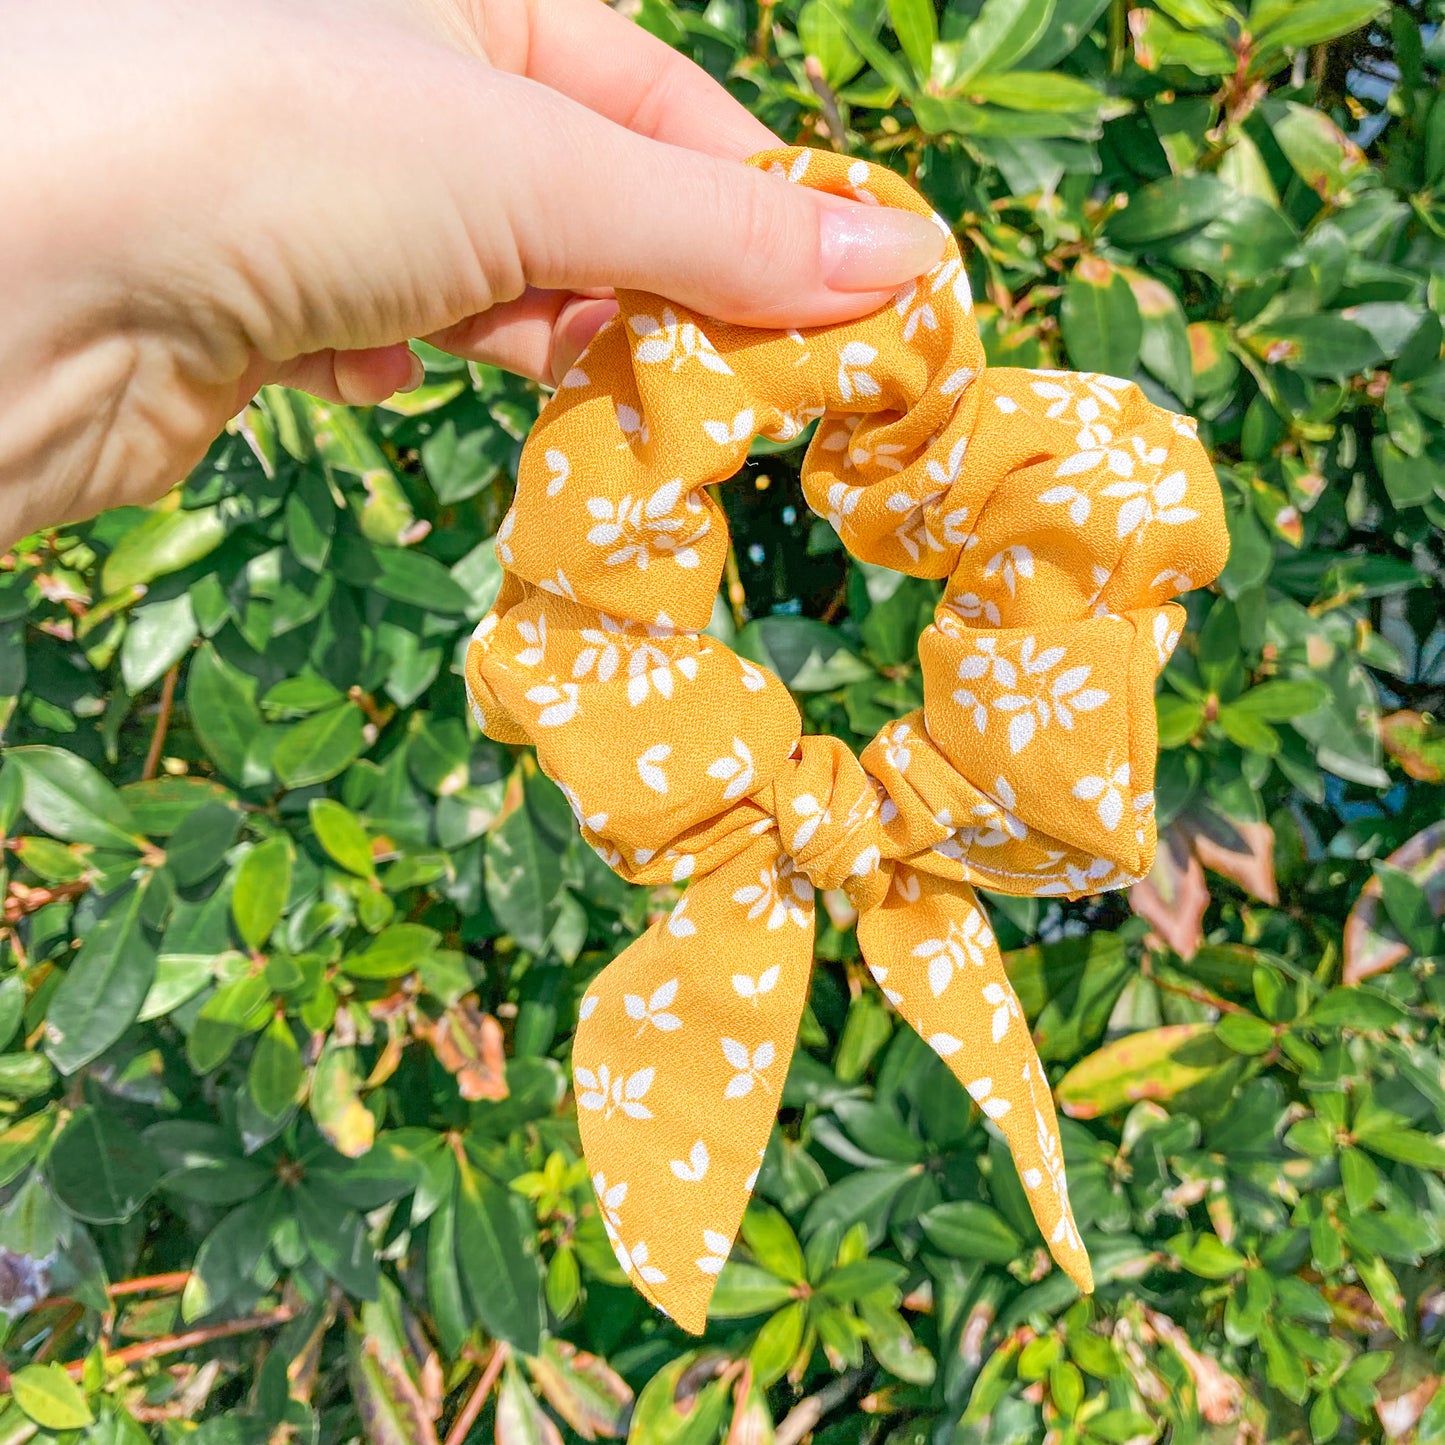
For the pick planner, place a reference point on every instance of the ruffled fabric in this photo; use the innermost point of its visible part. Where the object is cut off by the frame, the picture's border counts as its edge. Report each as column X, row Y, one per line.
column 1063, row 512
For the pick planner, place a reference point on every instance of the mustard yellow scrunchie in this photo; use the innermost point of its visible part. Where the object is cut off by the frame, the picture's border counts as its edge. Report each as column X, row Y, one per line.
column 1063, row 510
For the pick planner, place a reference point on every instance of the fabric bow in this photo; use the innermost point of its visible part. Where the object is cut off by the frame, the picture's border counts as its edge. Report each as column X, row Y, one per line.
column 1062, row 510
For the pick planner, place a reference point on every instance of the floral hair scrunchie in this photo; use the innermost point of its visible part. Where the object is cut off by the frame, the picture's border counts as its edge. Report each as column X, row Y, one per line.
column 1063, row 511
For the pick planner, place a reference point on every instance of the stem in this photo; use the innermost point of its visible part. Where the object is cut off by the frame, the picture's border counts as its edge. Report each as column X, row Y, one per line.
column 163, row 723
column 468, row 1417
column 803, row 1418
column 837, row 133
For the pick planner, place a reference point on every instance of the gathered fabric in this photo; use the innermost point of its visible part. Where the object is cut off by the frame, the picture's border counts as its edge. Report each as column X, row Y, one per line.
column 1061, row 511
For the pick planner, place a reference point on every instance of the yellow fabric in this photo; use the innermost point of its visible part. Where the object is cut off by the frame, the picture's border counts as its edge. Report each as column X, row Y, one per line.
column 1063, row 510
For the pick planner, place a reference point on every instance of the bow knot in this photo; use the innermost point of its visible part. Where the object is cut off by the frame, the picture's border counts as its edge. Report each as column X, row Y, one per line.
column 827, row 809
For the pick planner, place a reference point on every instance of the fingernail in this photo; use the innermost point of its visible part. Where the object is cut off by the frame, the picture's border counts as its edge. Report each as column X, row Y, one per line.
column 870, row 248
column 417, row 376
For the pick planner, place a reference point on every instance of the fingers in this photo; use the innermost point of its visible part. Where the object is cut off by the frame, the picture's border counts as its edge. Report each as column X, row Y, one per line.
column 590, row 203
column 539, row 335
column 354, row 378
column 614, row 67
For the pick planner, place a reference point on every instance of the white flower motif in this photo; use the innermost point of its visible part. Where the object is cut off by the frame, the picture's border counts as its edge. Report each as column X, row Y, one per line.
column 853, row 376
column 504, row 537
column 1109, row 792
column 1011, row 564
column 634, row 1260
column 736, row 771
column 896, row 746
column 1005, row 1007
column 1079, row 504
column 953, row 953
column 560, row 468
column 648, row 769
column 813, row 814
column 559, row 704
column 944, row 1045
column 674, row 341
column 574, row 378
column 595, row 821
column 969, row 606
column 1037, row 699
column 749, row 1067
column 694, row 1167
column 678, row 923
column 753, row 678
column 649, row 668
column 718, row 1247
column 639, row 529
column 587, row 1007
column 745, row 986
column 633, row 423
column 601, row 651
column 740, row 429
column 913, row 532
column 610, row 1199
column 534, row 634
column 981, row 1092
column 946, row 474
column 602, row 1091
column 781, row 893
column 842, row 503
column 654, row 1010
column 1145, row 504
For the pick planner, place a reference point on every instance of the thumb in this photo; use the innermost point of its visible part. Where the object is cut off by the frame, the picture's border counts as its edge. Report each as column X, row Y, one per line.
column 594, row 204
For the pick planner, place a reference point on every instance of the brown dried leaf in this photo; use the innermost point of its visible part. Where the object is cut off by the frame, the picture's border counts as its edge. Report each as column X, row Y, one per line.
column 468, row 1043
column 1174, row 897
column 1417, row 745
column 1371, row 943
column 1241, row 852
column 584, row 1390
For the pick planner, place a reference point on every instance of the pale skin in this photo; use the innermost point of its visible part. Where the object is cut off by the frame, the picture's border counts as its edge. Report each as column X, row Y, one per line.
column 198, row 197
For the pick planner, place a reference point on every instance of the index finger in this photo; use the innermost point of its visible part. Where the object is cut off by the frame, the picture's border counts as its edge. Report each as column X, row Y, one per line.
column 586, row 50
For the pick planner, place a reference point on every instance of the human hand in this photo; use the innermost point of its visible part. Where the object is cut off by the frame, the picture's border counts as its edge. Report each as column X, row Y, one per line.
column 201, row 199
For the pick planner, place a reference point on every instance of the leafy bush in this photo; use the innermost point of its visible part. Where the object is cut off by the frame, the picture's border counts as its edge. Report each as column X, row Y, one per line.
column 291, row 956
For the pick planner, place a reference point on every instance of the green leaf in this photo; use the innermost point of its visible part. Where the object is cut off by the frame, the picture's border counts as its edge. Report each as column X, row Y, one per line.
column 966, row 1229
column 1408, row 906
column 1407, row 1146
column 104, row 986
column 1100, row 319
column 744, row 1290
column 1322, row 345
column 50, row 1398
column 1156, row 1063
column 523, row 876
column 1206, row 1256
column 220, row 701
column 67, row 797
column 1158, row 43
column 198, row 846
column 162, row 543
column 809, row 656
column 275, row 1074
column 321, row 746
column 777, row 1343
column 520, row 1419
column 259, row 890
column 1282, row 699
column 343, row 837
column 402, row 573
column 1246, row 1034
column 498, row 1261
column 100, row 1169
column 1036, row 90
column 916, row 26
column 1294, row 24
column 1002, row 32
column 773, row 1244
column 1166, row 208
column 396, row 950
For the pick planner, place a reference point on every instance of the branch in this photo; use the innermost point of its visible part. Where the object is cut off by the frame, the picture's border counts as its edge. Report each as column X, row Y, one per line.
column 163, row 723
column 803, row 1418
column 464, row 1422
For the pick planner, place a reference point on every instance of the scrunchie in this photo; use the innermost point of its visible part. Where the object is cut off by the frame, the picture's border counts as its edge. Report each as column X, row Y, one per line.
column 1062, row 509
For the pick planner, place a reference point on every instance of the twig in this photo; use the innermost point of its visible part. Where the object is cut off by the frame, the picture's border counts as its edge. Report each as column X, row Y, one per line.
column 837, row 133
column 141, row 1284
column 163, row 723
column 468, row 1417
column 803, row 1418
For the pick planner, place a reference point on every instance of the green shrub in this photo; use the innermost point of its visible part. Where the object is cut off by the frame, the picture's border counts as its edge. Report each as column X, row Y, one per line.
column 290, row 956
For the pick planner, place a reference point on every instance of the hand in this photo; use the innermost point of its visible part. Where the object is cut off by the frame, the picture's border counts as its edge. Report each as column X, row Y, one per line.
column 202, row 198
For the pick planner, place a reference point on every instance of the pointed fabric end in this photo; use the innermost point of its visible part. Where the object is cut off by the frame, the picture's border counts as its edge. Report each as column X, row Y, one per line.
column 678, row 1065
column 1078, row 1269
